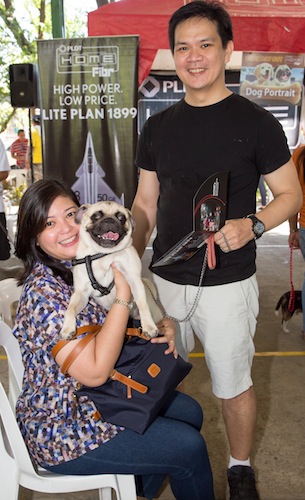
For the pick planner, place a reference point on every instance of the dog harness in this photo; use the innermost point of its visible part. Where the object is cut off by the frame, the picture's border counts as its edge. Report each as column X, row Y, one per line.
column 95, row 284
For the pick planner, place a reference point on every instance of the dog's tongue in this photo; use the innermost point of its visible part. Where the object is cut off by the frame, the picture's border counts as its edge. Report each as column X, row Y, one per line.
column 111, row 236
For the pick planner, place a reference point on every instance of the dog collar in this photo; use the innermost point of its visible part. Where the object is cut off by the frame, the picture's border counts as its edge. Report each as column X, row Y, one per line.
column 95, row 284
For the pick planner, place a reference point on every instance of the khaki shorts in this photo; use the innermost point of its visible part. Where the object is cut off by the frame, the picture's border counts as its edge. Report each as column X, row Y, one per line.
column 224, row 321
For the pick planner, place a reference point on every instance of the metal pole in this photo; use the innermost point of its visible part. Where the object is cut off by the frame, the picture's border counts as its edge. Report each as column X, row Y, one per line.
column 31, row 147
column 58, row 19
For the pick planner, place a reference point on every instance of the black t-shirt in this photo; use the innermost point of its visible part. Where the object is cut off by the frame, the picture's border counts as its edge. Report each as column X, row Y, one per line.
column 185, row 145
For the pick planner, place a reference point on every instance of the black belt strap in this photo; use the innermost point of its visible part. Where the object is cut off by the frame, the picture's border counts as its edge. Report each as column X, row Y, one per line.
column 95, row 284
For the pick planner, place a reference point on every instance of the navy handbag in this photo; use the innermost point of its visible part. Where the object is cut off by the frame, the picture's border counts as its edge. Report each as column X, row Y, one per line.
column 140, row 386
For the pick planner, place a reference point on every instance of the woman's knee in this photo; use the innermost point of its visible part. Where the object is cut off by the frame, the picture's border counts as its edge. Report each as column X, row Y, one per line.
column 186, row 409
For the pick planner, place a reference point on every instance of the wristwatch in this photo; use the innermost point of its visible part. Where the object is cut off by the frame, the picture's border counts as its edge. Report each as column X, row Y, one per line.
column 258, row 227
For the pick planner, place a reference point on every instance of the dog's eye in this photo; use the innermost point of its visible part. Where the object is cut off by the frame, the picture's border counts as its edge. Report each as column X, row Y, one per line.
column 97, row 216
column 121, row 217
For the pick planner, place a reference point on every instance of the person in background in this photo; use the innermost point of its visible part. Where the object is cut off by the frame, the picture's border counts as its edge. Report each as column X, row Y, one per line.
column 34, row 150
column 19, row 148
column 68, row 436
column 5, row 248
column 296, row 237
column 210, row 130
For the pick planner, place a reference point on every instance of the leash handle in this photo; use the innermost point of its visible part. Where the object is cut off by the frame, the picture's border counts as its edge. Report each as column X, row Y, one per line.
column 211, row 252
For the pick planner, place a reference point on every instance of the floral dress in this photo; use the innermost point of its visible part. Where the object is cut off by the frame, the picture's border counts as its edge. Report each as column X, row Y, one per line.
column 54, row 427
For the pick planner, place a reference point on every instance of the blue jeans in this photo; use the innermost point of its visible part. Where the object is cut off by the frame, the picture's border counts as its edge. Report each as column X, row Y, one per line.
column 172, row 446
column 302, row 246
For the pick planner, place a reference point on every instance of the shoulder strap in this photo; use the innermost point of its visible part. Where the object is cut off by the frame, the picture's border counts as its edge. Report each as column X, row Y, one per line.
column 92, row 331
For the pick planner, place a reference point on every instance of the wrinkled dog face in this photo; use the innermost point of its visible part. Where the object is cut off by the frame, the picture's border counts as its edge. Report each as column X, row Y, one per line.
column 282, row 75
column 105, row 225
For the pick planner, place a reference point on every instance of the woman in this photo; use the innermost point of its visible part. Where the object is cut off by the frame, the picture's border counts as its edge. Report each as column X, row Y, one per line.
column 67, row 438
column 296, row 237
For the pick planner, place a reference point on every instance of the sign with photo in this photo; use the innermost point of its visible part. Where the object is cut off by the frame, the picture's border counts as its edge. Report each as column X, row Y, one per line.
column 275, row 82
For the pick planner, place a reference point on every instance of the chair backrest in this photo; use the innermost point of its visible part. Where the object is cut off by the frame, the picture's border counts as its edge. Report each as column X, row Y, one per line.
column 9, row 293
column 11, row 434
column 17, row 468
column 14, row 359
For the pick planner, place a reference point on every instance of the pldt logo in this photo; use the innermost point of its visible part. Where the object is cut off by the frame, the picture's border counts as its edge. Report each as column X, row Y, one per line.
column 99, row 61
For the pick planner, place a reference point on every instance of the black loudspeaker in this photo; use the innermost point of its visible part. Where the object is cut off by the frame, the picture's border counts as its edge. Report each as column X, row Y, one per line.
column 24, row 85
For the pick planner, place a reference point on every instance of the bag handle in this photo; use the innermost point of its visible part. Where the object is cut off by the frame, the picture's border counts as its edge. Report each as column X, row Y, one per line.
column 92, row 331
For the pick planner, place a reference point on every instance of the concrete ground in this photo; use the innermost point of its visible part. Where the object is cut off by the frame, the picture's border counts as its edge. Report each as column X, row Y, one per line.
column 279, row 379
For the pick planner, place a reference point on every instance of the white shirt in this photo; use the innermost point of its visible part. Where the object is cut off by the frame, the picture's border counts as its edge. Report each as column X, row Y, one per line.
column 4, row 167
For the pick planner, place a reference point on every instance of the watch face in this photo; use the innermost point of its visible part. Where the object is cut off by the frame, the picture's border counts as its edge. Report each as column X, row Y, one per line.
column 258, row 226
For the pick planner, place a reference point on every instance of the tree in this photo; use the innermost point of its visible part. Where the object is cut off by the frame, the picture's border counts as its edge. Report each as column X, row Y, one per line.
column 22, row 23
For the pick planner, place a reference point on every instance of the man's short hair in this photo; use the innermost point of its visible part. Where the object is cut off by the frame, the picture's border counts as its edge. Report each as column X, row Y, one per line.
column 213, row 11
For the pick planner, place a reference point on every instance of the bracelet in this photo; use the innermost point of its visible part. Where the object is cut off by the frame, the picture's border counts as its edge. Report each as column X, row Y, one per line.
column 294, row 230
column 129, row 305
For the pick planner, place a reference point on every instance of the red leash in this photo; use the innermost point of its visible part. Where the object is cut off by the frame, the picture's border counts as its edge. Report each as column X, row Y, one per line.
column 211, row 252
column 292, row 294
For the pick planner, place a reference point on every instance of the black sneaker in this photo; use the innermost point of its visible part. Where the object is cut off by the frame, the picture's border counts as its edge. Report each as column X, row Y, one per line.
column 241, row 480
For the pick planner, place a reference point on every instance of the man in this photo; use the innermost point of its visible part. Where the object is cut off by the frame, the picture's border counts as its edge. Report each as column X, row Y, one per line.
column 4, row 172
column 36, row 151
column 208, row 131
column 19, row 148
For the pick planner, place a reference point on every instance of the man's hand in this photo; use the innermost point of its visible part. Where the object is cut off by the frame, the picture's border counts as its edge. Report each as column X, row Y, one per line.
column 235, row 234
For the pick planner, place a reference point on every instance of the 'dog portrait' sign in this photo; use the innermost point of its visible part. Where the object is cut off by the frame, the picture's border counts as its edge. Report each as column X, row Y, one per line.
column 274, row 81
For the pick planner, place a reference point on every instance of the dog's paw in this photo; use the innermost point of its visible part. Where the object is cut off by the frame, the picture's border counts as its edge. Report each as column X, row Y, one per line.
column 68, row 330
column 150, row 330
column 67, row 334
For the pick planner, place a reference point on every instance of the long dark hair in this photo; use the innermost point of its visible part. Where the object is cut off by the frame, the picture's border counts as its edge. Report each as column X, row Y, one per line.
column 32, row 216
column 211, row 10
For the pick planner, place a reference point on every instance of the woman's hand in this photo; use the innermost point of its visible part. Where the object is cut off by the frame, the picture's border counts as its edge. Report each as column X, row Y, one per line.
column 167, row 329
column 122, row 288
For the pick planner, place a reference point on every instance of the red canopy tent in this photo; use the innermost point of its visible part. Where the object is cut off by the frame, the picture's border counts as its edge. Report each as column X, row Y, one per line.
column 258, row 25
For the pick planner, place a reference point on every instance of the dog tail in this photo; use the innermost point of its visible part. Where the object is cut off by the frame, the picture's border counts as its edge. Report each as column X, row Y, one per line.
column 278, row 305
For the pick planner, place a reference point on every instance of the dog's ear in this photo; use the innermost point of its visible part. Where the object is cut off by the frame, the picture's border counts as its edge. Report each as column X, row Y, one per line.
column 79, row 215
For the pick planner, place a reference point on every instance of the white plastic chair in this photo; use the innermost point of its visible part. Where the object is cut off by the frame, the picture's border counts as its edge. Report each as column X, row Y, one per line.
column 15, row 365
column 16, row 468
column 9, row 293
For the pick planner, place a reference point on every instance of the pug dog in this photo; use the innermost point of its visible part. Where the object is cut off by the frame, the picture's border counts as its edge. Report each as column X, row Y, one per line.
column 282, row 75
column 105, row 237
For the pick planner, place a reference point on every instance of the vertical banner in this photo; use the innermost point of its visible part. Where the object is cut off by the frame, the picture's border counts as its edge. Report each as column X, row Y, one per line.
column 275, row 82
column 88, row 101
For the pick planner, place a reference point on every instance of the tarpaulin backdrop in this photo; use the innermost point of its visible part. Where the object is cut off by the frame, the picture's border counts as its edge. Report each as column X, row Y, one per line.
column 258, row 25
column 88, row 110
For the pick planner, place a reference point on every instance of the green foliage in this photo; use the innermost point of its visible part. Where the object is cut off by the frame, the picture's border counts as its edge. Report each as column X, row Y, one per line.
column 14, row 194
column 22, row 23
